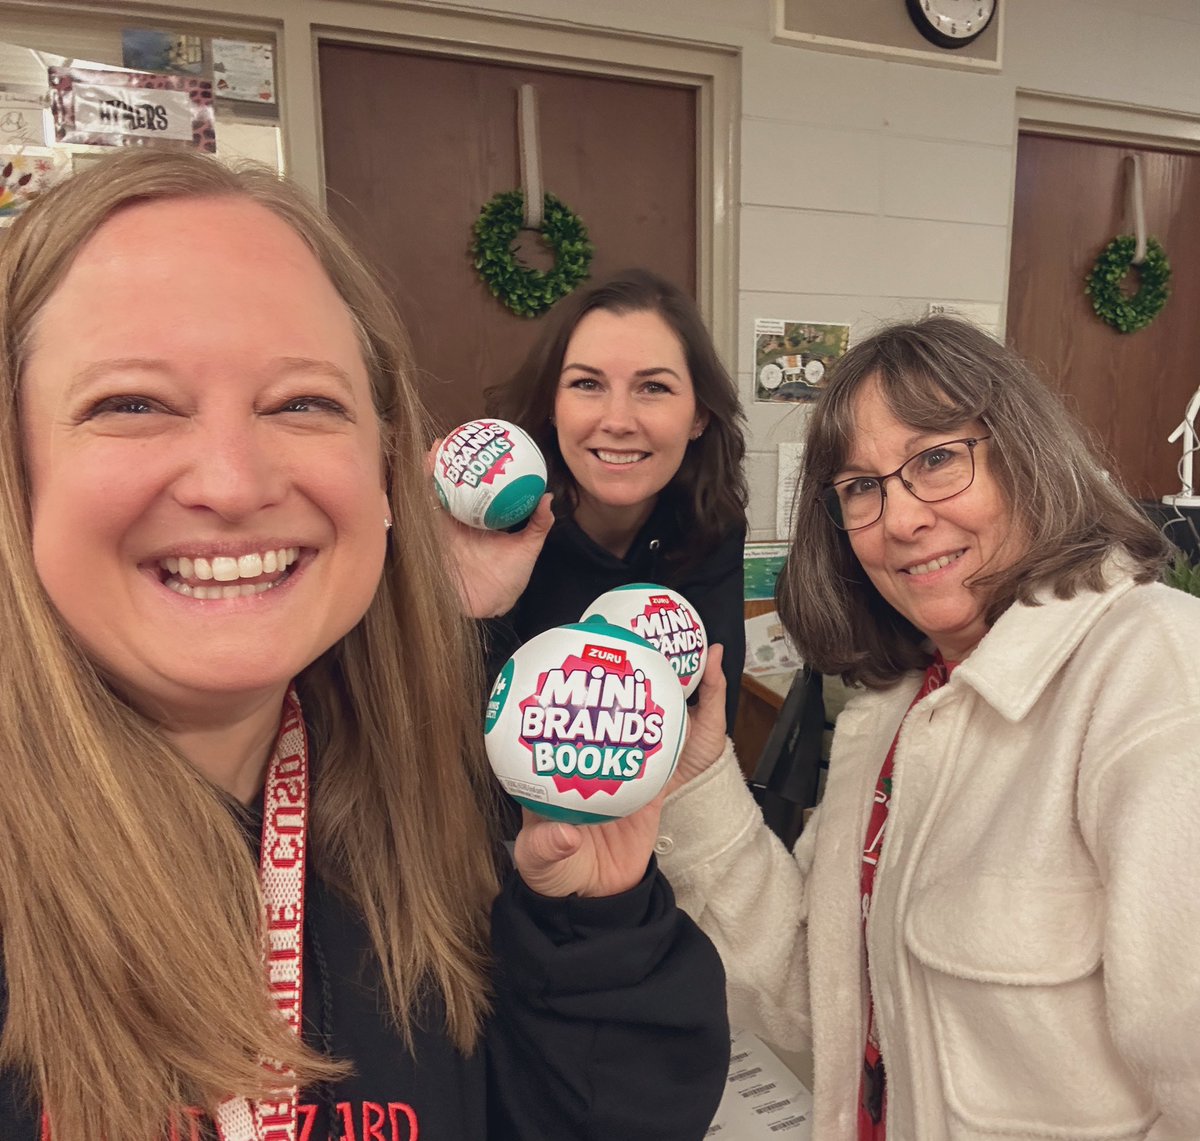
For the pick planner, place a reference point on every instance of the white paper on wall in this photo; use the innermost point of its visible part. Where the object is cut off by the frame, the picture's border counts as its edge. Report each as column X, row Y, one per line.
column 23, row 121
column 986, row 316
column 769, row 650
column 791, row 452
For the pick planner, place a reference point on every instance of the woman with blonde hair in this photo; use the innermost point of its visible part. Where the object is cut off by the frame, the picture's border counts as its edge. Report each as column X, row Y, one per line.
column 987, row 929
column 246, row 864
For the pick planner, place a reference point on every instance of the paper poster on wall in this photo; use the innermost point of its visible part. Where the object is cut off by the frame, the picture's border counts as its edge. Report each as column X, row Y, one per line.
column 790, row 453
column 769, row 650
column 244, row 70
column 131, row 108
column 790, row 358
column 22, row 121
column 23, row 176
column 148, row 49
column 761, row 564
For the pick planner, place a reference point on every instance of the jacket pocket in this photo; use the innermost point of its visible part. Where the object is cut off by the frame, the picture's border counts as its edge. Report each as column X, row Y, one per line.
column 1011, row 974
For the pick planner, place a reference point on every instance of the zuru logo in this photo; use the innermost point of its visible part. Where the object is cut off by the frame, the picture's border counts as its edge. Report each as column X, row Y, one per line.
column 607, row 654
column 592, row 723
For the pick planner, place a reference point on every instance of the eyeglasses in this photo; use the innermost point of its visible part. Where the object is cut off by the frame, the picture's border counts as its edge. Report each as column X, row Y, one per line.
column 935, row 474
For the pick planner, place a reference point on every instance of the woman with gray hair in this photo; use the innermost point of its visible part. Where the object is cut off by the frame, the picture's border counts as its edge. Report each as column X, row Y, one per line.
column 998, row 897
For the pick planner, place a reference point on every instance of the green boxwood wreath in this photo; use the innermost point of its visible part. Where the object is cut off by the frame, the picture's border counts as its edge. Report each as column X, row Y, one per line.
column 529, row 292
column 1127, row 313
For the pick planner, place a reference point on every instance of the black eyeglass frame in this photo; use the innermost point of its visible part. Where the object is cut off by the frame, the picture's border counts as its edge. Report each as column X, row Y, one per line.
column 832, row 504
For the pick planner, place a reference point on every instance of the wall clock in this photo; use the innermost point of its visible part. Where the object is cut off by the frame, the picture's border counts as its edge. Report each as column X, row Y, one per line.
column 951, row 23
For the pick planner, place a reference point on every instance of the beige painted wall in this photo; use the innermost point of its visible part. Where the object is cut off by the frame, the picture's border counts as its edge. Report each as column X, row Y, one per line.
column 864, row 188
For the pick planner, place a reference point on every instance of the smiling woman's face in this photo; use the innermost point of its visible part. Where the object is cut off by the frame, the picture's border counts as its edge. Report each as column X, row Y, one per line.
column 204, row 457
column 624, row 410
column 921, row 557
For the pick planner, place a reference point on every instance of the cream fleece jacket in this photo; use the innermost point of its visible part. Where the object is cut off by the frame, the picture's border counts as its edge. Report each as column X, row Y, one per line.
column 1034, row 934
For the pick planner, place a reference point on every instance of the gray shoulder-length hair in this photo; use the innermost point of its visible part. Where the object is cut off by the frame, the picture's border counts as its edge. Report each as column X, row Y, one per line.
column 937, row 374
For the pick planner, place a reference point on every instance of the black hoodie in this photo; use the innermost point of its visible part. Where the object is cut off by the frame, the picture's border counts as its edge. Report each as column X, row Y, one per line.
column 608, row 1023
column 573, row 571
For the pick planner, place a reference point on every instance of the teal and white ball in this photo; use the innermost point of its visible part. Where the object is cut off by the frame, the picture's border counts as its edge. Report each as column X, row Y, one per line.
column 585, row 723
column 489, row 474
column 665, row 619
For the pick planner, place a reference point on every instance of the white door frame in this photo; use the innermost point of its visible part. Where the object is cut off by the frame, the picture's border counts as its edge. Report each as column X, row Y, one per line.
column 1079, row 118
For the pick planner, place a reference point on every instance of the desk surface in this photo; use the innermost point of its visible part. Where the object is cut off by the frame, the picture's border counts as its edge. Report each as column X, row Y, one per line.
column 771, row 688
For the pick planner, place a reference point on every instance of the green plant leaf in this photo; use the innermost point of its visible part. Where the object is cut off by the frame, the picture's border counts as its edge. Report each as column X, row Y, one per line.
column 529, row 292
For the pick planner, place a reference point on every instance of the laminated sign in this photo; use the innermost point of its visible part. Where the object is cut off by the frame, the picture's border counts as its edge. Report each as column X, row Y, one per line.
column 119, row 108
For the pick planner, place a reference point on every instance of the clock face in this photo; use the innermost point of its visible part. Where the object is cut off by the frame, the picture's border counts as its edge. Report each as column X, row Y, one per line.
column 951, row 23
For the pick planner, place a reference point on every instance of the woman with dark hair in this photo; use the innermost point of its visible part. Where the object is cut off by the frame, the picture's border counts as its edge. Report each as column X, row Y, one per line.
column 249, row 884
column 641, row 428
column 998, row 898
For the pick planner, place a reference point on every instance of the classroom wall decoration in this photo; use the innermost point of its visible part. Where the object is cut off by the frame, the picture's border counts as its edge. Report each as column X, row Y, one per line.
column 24, row 176
column 244, row 70
column 791, row 358
column 131, row 108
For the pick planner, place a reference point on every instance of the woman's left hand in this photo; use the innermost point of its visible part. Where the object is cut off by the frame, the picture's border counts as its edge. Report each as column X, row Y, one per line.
column 559, row 859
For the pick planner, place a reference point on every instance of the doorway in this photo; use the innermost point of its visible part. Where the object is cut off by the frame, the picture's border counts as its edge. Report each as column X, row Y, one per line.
column 1131, row 389
column 416, row 143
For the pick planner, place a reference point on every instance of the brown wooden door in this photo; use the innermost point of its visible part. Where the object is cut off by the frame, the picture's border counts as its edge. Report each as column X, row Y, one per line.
column 416, row 144
column 1130, row 389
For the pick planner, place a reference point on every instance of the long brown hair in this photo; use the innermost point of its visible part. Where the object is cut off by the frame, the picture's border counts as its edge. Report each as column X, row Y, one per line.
column 710, row 486
column 129, row 907
column 937, row 374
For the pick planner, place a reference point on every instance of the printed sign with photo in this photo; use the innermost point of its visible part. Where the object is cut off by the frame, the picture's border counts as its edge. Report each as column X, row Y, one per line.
column 791, row 358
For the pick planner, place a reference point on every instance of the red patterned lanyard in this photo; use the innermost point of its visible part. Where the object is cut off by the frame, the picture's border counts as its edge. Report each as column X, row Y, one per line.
column 281, row 871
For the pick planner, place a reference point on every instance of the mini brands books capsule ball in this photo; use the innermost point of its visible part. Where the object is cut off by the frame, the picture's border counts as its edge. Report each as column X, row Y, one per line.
column 585, row 723
column 489, row 474
column 665, row 619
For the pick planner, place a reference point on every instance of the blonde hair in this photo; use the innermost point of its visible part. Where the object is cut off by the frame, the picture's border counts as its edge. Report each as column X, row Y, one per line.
column 129, row 908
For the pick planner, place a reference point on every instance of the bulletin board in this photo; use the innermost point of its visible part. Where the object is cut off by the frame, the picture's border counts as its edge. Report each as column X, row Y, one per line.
column 72, row 91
